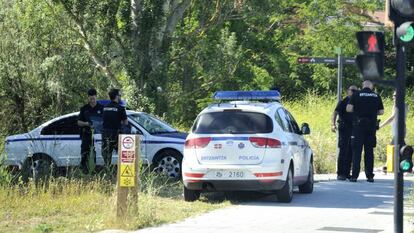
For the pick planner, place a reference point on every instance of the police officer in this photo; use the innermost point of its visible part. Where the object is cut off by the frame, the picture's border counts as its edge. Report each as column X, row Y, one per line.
column 344, row 128
column 114, row 116
column 89, row 113
column 366, row 106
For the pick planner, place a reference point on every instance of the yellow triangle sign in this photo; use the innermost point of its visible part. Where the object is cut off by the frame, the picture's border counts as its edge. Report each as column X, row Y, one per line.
column 127, row 171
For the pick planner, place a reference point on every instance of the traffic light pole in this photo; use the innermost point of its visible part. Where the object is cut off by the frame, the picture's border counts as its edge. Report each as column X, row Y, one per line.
column 399, row 139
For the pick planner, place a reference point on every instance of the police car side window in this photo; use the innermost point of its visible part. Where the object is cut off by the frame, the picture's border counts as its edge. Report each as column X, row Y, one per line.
column 279, row 121
column 293, row 123
column 66, row 126
column 285, row 120
column 134, row 130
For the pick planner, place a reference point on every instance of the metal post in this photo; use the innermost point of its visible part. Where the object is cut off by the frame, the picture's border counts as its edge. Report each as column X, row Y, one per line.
column 340, row 68
column 399, row 140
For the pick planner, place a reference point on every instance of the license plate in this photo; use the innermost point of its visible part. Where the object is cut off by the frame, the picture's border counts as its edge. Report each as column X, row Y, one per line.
column 228, row 174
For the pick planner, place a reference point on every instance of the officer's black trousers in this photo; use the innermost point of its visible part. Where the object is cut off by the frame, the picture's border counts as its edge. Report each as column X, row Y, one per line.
column 87, row 147
column 109, row 144
column 344, row 150
column 363, row 137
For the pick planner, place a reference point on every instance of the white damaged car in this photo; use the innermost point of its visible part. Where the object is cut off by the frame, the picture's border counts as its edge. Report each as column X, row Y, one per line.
column 57, row 143
column 247, row 141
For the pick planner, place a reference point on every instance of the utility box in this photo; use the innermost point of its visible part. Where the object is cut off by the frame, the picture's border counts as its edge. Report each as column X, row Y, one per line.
column 390, row 158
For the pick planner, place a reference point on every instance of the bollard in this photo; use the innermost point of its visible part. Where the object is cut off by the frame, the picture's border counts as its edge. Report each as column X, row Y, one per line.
column 127, row 173
column 390, row 158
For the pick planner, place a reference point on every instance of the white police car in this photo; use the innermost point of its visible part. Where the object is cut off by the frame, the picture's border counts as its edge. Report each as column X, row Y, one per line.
column 251, row 144
column 57, row 142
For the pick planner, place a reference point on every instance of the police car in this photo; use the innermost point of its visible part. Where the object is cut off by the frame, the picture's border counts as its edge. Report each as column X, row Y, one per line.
column 247, row 141
column 57, row 143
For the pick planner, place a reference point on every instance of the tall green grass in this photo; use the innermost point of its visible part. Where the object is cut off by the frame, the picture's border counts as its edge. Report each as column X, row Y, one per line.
column 317, row 111
column 88, row 204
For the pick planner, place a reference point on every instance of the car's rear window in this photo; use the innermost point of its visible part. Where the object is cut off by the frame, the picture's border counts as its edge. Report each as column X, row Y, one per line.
column 233, row 122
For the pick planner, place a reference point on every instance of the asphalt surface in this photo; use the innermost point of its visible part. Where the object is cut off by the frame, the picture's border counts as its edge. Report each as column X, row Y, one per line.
column 334, row 206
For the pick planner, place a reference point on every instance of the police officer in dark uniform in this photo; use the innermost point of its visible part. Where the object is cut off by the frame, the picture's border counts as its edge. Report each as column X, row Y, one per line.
column 89, row 117
column 114, row 117
column 366, row 106
column 344, row 128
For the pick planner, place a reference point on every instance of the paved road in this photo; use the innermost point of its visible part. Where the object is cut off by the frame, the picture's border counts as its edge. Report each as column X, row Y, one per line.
column 335, row 206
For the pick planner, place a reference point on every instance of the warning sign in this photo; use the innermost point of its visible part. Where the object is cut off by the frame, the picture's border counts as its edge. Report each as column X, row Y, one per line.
column 127, row 156
column 127, row 182
column 128, row 143
column 127, row 170
column 127, row 175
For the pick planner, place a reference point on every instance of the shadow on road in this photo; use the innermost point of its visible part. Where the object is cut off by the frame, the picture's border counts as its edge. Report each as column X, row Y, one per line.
column 332, row 194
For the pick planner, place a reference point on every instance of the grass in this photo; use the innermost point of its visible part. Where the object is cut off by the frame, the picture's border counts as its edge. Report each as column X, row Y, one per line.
column 88, row 204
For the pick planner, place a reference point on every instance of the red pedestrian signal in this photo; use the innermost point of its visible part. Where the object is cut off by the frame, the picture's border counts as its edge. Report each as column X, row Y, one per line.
column 370, row 61
column 373, row 44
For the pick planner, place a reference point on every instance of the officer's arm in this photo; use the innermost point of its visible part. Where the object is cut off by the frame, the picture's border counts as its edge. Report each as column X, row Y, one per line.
column 350, row 108
column 389, row 120
column 334, row 116
column 81, row 119
column 333, row 126
column 380, row 112
column 124, row 117
column 83, row 123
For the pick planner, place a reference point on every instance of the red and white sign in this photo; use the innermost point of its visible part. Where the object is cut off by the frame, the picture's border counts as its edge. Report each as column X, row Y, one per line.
column 127, row 156
column 128, row 143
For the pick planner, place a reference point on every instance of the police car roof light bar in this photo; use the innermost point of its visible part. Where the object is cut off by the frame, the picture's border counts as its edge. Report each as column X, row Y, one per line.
column 123, row 103
column 247, row 95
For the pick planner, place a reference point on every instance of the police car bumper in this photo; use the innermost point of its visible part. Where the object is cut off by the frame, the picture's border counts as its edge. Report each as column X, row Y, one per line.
column 234, row 185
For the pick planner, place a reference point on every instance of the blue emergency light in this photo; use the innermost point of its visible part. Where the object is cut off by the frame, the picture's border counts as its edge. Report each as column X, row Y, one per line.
column 272, row 95
column 123, row 103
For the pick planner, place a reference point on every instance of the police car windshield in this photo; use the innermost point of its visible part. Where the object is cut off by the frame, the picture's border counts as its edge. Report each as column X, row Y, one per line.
column 233, row 122
column 151, row 124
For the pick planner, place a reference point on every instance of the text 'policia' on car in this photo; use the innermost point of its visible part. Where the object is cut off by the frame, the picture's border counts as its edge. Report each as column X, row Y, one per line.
column 57, row 143
column 252, row 143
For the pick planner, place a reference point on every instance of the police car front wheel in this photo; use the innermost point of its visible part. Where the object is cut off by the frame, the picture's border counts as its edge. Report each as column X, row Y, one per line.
column 308, row 186
column 169, row 163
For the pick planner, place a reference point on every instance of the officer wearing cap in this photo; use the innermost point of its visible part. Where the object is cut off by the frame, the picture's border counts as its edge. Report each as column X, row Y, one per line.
column 114, row 116
column 366, row 106
column 344, row 128
column 89, row 114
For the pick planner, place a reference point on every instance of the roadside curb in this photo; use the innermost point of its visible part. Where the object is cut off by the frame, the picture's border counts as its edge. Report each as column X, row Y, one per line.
column 324, row 177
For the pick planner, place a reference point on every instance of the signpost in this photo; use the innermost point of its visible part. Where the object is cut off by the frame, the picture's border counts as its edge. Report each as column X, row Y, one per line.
column 340, row 61
column 128, row 149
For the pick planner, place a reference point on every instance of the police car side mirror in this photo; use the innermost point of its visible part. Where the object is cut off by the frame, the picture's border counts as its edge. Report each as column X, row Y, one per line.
column 305, row 129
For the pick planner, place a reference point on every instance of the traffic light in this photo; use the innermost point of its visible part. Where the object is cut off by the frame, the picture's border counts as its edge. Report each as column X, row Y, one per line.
column 371, row 60
column 406, row 158
column 405, row 32
column 402, row 14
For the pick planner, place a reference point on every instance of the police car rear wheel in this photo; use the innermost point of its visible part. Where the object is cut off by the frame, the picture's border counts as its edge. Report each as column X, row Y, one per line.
column 308, row 186
column 169, row 163
column 39, row 169
column 191, row 195
column 286, row 193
